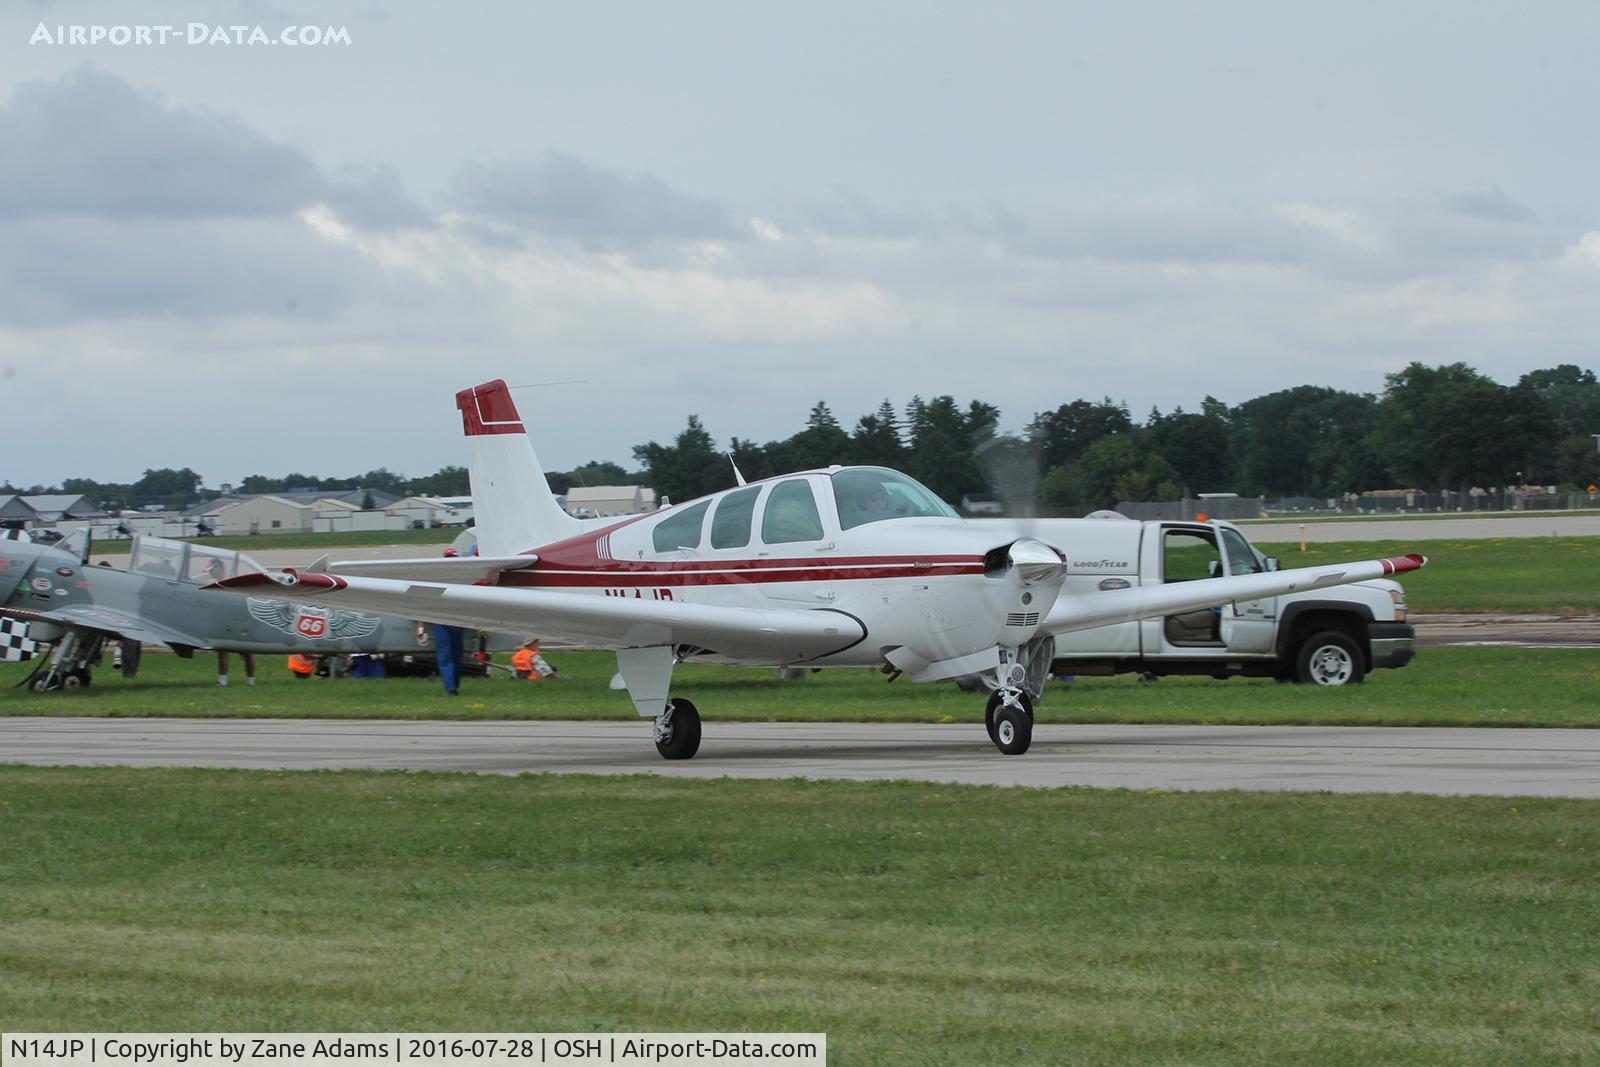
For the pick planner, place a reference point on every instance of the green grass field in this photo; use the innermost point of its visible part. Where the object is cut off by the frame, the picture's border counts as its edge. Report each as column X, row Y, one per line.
column 913, row 923
column 1454, row 686
column 1495, row 574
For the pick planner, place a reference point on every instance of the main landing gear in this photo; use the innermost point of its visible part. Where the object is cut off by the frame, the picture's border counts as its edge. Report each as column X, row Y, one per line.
column 1009, row 718
column 67, row 665
column 677, row 730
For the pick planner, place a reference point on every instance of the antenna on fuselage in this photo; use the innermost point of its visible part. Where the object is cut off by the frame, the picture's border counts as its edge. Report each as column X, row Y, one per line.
column 734, row 464
column 542, row 385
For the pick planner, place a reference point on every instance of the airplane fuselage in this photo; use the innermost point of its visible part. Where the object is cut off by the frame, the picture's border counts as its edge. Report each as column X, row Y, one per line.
column 927, row 583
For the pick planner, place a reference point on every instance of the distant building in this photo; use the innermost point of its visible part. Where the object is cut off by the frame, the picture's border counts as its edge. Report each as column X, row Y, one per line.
column 261, row 514
column 20, row 512
column 431, row 511
column 599, row 501
column 980, row 504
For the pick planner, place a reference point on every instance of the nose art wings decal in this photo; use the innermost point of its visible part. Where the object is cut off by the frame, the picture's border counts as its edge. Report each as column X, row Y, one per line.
column 301, row 620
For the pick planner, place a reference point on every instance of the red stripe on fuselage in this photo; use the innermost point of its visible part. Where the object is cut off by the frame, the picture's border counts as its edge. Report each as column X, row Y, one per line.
column 742, row 572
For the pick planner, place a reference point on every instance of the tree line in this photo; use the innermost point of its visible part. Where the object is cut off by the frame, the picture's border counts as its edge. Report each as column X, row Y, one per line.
column 1432, row 428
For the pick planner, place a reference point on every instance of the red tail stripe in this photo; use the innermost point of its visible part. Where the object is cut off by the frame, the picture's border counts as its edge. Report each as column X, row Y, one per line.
column 488, row 409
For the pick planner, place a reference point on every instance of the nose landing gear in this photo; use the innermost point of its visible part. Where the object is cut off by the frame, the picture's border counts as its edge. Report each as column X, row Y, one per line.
column 1009, row 719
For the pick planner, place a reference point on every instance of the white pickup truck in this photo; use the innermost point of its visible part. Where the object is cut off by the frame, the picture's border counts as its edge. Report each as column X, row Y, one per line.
column 1326, row 637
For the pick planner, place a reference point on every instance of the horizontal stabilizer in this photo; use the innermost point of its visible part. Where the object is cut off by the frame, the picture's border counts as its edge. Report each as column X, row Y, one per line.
column 463, row 570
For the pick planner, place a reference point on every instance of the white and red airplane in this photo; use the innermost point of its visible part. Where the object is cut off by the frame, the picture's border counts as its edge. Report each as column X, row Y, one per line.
column 842, row 567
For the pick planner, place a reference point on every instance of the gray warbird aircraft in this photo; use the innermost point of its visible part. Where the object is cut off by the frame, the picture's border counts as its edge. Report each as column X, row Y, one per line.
column 843, row 567
column 75, row 609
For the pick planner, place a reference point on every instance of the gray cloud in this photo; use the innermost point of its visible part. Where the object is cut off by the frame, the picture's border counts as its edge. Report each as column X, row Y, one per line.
column 77, row 268
column 92, row 144
column 1493, row 205
column 564, row 197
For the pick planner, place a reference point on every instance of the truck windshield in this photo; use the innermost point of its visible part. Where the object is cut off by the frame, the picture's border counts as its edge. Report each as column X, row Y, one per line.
column 1242, row 559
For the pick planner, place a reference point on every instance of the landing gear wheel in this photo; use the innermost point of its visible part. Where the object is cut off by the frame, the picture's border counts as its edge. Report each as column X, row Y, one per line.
column 677, row 730
column 1329, row 658
column 996, row 698
column 76, row 679
column 1010, row 725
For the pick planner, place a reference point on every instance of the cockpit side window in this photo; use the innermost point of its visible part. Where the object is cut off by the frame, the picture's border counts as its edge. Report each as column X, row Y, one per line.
column 681, row 530
column 791, row 514
column 157, row 558
column 872, row 494
column 730, row 525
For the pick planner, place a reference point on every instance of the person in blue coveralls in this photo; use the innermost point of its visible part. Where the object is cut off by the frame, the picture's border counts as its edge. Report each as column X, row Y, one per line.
column 448, row 644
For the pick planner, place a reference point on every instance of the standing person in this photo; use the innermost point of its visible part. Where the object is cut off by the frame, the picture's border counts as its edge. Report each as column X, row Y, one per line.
column 449, row 643
column 249, row 667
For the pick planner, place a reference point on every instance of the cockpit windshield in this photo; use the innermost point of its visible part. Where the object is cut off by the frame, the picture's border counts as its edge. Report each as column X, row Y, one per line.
column 174, row 560
column 872, row 494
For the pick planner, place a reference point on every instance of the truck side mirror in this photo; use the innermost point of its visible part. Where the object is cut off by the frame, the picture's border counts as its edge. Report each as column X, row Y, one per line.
column 1271, row 562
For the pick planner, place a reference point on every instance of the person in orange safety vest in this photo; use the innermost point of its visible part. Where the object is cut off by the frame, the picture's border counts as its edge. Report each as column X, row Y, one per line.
column 302, row 666
column 527, row 663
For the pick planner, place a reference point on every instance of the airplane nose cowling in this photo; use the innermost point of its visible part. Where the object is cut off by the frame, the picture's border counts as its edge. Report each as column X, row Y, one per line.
column 1035, row 561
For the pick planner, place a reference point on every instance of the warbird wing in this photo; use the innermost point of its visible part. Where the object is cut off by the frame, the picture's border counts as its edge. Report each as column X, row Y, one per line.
column 108, row 621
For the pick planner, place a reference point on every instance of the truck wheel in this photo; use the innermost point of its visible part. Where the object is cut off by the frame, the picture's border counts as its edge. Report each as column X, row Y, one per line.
column 1329, row 658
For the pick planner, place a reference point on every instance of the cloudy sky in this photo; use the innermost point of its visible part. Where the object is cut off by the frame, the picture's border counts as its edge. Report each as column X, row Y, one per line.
column 262, row 258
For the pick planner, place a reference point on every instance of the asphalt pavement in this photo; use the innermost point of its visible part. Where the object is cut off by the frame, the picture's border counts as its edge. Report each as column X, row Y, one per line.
column 1439, row 760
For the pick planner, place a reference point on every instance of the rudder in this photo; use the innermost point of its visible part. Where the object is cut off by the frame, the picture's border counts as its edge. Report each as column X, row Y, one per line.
column 511, row 501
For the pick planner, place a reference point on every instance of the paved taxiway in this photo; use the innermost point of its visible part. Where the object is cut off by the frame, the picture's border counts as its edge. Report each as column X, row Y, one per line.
column 1442, row 760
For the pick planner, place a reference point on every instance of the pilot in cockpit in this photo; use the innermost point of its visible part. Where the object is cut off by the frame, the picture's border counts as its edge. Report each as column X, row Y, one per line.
column 861, row 499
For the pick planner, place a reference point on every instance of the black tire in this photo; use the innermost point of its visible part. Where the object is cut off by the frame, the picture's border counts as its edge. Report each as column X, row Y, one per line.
column 1012, row 729
column 76, row 679
column 988, row 713
column 679, row 737
column 1329, row 658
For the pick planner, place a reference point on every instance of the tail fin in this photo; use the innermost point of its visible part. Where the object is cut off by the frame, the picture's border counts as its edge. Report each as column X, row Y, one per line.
column 511, row 500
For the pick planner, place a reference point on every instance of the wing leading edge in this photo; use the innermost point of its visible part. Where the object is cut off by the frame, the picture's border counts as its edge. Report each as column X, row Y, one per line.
column 755, row 635
column 1088, row 610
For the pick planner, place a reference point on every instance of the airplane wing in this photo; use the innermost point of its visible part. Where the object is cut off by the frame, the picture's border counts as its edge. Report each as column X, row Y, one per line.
column 776, row 636
column 1087, row 610
column 116, row 623
column 463, row 570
